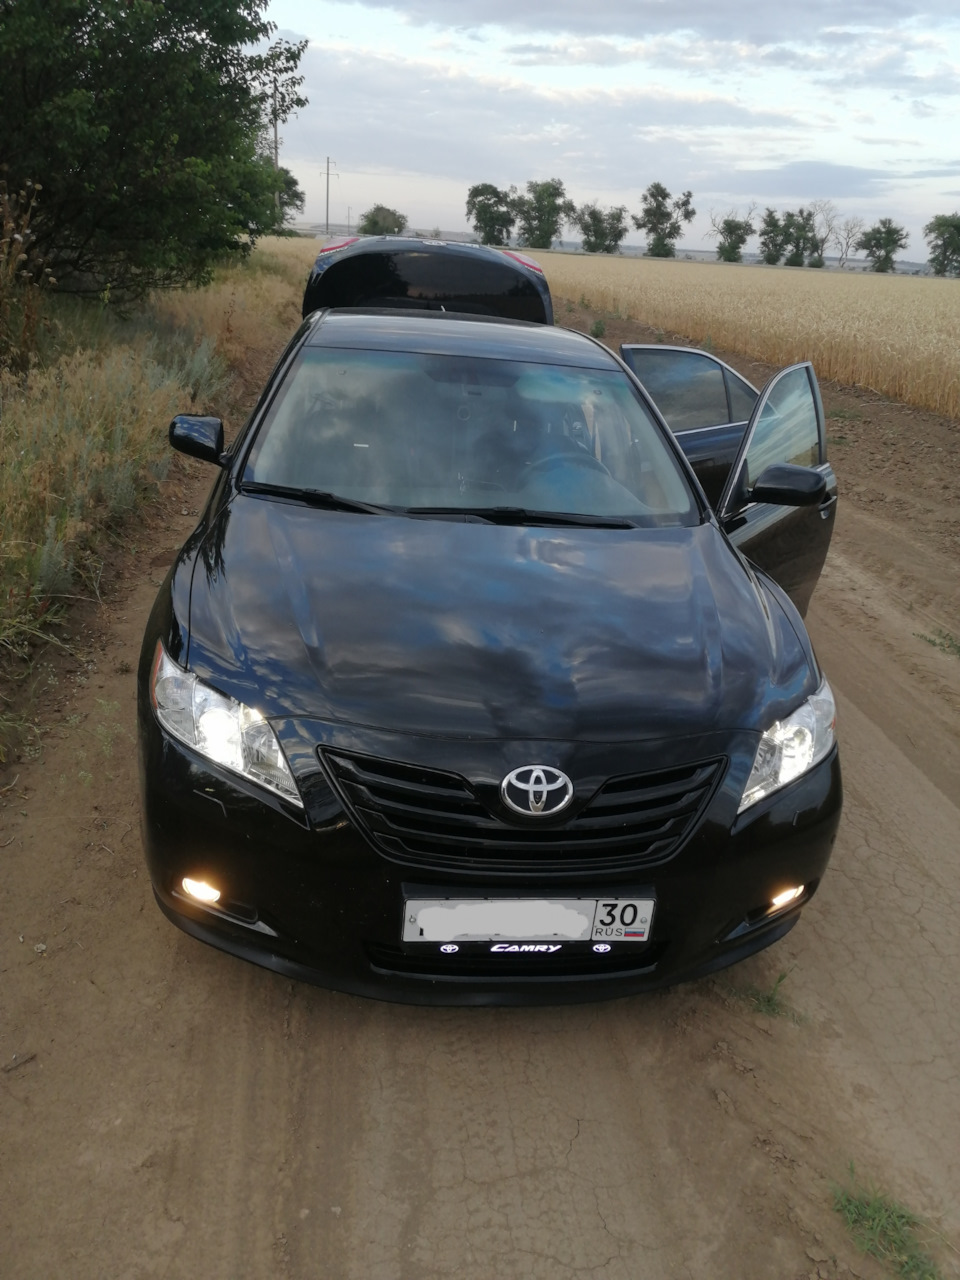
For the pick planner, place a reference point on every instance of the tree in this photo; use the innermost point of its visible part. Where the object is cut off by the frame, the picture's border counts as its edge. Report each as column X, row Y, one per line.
column 798, row 233
column 542, row 212
column 381, row 221
column 144, row 123
column 846, row 235
column 602, row 230
column 773, row 237
column 492, row 212
column 881, row 241
column 731, row 233
column 662, row 218
column 290, row 197
column 825, row 217
column 943, row 239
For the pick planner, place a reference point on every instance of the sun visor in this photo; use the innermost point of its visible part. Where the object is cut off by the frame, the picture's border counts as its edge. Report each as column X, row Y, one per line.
column 428, row 276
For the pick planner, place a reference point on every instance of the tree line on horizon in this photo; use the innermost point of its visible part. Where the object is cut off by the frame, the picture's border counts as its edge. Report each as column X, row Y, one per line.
column 794, row 238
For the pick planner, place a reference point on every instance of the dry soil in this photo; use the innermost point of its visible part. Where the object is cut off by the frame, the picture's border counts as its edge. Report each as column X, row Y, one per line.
column 168, row 1111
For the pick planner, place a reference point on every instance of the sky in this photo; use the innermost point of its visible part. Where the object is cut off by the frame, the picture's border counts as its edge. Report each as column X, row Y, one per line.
column 741, row 101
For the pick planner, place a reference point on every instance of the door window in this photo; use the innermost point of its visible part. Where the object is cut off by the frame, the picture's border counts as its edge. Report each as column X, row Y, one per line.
column 690, row 388
column 787, row 429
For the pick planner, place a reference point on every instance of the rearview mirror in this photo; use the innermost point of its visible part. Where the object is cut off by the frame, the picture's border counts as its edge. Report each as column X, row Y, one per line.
column 199, row 437
column 786, row 485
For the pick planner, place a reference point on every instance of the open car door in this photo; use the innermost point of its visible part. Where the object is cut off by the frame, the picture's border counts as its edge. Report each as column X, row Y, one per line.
column 704, row 402
column 780, row 498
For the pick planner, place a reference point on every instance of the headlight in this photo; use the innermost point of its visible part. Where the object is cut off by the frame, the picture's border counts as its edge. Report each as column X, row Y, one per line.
column 792, row 746
column 225, row 731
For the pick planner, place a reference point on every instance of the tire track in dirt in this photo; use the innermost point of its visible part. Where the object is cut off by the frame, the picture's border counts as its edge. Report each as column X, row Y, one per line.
column 186, row 1114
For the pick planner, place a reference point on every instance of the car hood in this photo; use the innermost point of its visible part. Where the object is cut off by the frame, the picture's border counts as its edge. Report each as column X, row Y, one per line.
column 460, row 629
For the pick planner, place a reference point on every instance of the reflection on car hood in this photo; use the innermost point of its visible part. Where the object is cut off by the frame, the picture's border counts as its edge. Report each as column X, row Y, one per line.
column 476, row 630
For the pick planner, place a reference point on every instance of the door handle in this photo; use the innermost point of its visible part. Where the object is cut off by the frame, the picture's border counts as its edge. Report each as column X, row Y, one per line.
column 827, row 507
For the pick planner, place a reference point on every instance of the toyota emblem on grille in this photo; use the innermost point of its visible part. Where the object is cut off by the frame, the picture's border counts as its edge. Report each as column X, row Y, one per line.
column 537, row 789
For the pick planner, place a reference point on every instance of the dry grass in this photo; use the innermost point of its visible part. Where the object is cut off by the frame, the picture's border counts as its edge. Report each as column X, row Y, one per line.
column 247, row 301
column 83, row 433
column 899, row 335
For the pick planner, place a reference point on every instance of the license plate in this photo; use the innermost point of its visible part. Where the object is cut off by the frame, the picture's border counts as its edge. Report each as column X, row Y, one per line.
column 527, row 919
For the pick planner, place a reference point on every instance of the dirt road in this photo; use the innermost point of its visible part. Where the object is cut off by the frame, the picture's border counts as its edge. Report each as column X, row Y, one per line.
column 168, row 1111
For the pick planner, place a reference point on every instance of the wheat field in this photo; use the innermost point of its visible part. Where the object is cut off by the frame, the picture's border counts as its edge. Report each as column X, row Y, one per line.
column 897, row 335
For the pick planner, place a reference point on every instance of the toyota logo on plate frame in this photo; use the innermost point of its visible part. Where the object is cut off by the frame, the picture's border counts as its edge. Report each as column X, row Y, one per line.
column 536, row 790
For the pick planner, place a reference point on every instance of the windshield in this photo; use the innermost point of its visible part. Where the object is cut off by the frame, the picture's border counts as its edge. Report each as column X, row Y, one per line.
column 415, row 431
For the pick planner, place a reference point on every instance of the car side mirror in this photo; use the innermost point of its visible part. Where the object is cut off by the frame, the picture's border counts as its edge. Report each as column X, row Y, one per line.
column 199, row 437
column 786, row 485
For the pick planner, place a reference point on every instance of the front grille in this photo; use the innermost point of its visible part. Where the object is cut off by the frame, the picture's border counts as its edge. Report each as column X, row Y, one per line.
column 431, row 819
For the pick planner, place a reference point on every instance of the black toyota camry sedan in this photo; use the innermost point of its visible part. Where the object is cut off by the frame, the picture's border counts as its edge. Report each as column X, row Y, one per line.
column 463, row 692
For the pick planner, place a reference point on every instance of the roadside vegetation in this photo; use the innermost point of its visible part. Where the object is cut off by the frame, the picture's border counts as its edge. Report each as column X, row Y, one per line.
column 141, row 152
column 887, row 1230
column 152, row 131
column 896, row 335
column 83, row 427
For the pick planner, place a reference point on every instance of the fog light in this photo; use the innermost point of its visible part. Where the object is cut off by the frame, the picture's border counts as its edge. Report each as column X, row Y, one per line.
column 200, row 890
column 789, row 895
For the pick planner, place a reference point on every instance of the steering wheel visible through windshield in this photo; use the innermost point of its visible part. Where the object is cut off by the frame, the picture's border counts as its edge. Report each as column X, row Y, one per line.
column 411, row 431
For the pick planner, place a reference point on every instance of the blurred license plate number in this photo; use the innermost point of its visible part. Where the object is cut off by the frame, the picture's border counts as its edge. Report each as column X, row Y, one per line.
column 527, row 919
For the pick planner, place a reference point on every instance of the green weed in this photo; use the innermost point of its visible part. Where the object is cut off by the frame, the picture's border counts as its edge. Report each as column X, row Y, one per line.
column 598, row 329
column 885, row 1229
column 941, row 640
column 768, row 1002
column 106, row 732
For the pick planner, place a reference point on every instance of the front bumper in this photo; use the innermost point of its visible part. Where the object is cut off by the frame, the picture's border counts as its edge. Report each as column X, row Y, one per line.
column 306, row 894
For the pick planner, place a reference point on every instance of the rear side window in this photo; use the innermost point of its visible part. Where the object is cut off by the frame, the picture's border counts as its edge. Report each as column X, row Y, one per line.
column 691, row 389
column 742, row 397
column 687, row 388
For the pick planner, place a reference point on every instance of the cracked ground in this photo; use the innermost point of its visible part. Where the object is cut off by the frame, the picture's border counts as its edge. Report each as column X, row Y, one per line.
column 168, row 1111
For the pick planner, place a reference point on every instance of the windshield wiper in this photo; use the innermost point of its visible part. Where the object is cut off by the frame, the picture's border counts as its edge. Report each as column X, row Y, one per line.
column 523, row 515
column 315, row 498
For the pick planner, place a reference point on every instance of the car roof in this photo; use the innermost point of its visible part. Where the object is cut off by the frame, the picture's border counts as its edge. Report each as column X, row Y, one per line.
column 447, row 333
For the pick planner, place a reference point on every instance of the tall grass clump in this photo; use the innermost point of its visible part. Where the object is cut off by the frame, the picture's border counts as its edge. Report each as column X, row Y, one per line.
column 247, row 302
column 79, row 443
column 84, row 415
column 887, row 1230
column 897, row 335
column 22, row 273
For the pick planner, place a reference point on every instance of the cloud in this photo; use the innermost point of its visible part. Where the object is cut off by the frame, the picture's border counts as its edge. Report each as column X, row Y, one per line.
column 565, row 53
column 949, row 171
column 414, row 116
column 804, row 180
column 842, row 61
column 886, row 142
column 891, row 71
column 754, row 20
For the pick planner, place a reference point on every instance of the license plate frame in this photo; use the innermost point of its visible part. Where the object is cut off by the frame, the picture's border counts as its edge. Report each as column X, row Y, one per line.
column 493, row 920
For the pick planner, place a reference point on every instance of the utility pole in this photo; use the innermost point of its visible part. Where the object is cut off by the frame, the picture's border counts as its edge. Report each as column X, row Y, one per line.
column 349, row 210
column 276, row 145
column 327, row 227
